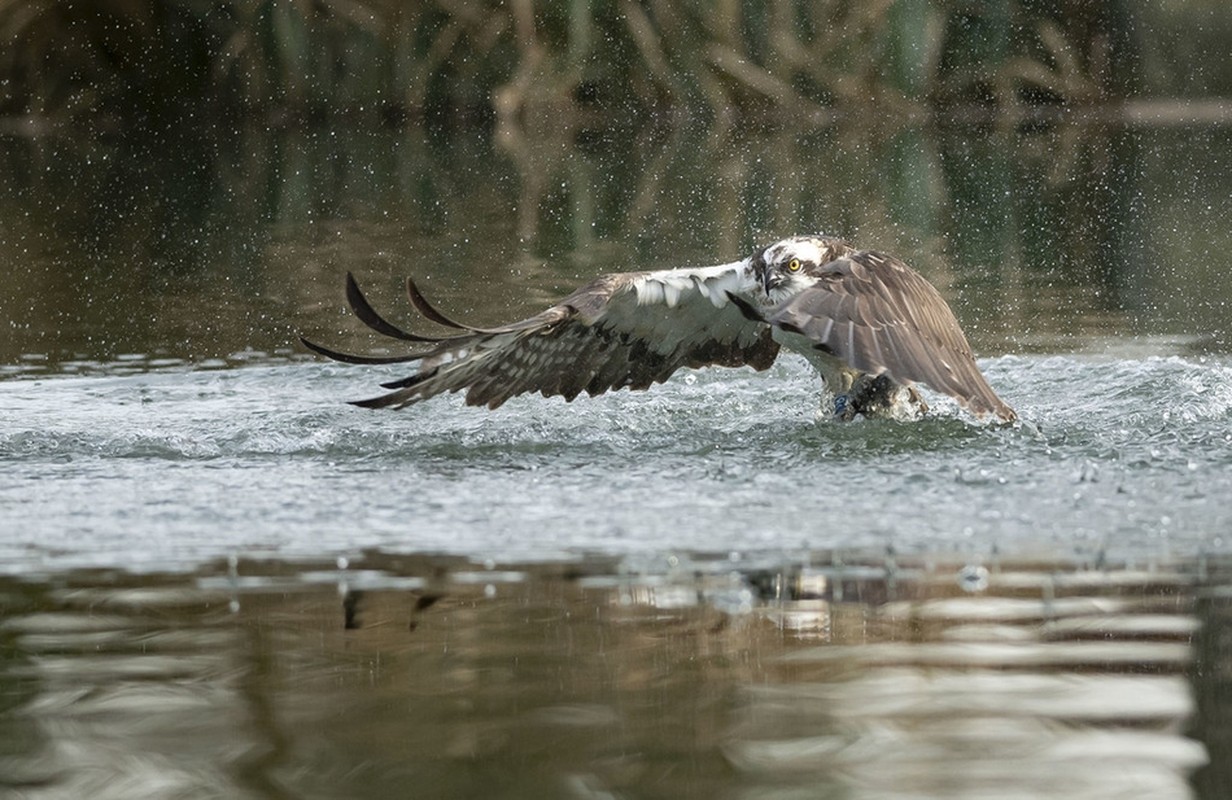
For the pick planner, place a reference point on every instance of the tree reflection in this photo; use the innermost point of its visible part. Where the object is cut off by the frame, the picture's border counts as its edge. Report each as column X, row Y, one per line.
column 1045, row 237
column 674, row 677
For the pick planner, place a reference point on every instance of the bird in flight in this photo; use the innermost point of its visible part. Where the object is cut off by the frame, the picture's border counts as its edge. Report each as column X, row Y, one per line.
column 871, row 325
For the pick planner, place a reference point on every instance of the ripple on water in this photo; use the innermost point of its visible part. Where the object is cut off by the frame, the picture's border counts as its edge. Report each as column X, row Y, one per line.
column 1122, row 453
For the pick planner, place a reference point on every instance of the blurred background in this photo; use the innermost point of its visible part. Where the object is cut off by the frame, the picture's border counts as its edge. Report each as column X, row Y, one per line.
column 760, row 62
column 1059, row 168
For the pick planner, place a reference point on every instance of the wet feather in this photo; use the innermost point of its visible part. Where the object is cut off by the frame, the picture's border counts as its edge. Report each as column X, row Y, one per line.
column 865, row 311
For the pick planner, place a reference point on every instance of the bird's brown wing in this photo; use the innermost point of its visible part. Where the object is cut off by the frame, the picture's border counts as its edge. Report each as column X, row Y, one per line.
column 621, row 330
column 878, row 315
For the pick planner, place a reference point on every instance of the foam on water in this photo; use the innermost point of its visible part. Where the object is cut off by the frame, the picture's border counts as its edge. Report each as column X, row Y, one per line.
column 173, row 465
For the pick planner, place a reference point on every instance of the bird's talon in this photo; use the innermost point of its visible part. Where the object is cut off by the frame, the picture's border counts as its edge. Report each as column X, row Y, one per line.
column 843, row 408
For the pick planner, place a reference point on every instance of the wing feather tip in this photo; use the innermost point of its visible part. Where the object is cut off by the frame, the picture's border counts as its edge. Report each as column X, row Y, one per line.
column 991, row 404
column 368, row 315
column 382, row 401
column 336, row 355
column 409, row 380
column 422, row 305
column 350, row 358
column 314, row 347
column 430, row 311
column 1006, row 414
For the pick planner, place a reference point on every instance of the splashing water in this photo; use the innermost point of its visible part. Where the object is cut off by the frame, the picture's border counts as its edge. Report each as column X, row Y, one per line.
column 170, row 466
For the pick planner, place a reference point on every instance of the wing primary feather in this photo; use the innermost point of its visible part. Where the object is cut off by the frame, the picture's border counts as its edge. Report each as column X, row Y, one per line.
column 602, row 337
column 382, row 401
column 409, row 380
column 825, row 335
column 896, row 323
column 424, row 307
column 368, row 315
column 348, row 358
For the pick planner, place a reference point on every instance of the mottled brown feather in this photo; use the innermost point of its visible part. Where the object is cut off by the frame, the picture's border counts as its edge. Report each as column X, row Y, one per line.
column 878, row 315
column 631, row 330
column 595, row 340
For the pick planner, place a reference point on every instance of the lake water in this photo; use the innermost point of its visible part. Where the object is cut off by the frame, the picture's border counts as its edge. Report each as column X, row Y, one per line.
column 219, row 580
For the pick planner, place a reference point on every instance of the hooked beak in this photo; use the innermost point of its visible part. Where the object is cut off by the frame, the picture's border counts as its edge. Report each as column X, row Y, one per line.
column 771, row 281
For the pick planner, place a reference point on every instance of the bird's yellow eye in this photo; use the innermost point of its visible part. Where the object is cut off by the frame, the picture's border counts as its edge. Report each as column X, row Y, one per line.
column 793, row 265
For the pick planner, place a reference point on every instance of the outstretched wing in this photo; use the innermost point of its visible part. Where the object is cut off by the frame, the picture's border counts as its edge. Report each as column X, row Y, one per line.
column 621, row 330
column 878, row 315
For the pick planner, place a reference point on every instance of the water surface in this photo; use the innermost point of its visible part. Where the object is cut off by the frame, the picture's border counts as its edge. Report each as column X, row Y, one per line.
column 218, row 579
column 401, row 675
column 1127, row 456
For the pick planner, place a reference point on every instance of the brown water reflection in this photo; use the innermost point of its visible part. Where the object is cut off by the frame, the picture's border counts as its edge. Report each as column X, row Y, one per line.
column 424, row 677
column 1058, row 238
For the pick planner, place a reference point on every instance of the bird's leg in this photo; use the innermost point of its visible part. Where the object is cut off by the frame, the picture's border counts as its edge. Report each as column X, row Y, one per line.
column 840, row 382
column 844, row 409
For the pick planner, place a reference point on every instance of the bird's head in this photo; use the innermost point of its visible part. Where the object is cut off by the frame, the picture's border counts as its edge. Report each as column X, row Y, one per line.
column 790, row 266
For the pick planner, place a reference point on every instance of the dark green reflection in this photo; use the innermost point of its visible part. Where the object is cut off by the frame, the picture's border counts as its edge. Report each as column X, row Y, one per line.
column 196, row 244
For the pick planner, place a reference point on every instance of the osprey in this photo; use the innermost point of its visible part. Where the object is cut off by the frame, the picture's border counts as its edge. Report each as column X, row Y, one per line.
column 872, row 326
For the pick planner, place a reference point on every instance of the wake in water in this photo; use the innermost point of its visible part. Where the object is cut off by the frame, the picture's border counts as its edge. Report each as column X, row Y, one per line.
column 181, row 464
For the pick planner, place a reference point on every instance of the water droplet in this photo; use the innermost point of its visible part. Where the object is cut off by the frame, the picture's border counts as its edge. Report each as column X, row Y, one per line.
column 973, row 578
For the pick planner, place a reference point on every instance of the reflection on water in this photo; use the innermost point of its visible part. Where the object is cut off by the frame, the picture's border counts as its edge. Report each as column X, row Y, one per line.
column 1051, row 239
column 402, row 675
column 145, row 274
